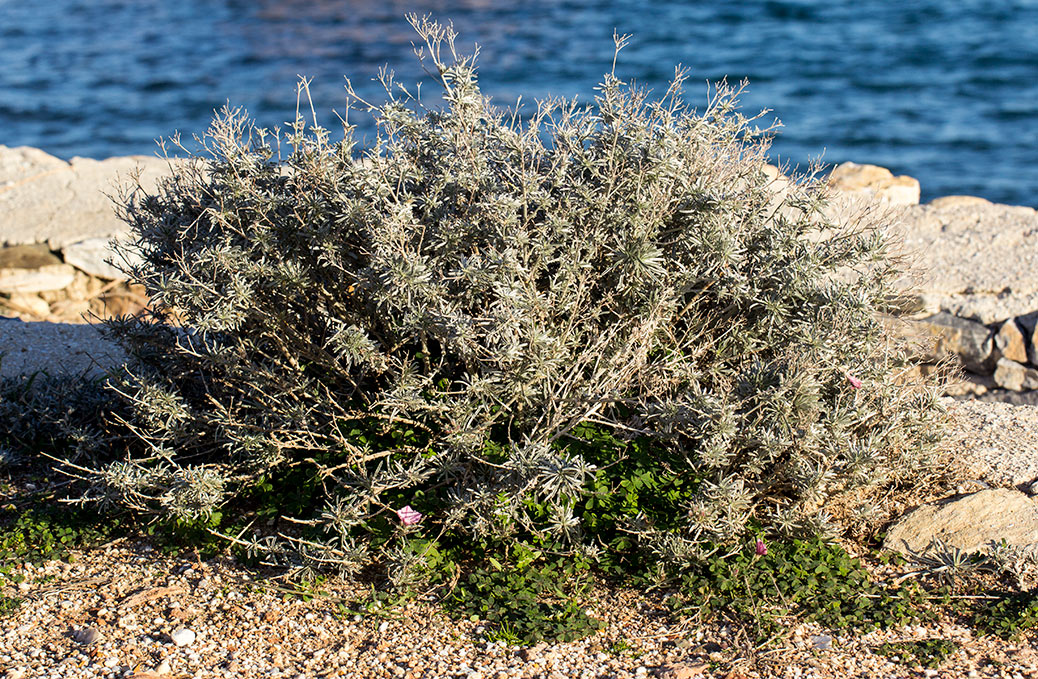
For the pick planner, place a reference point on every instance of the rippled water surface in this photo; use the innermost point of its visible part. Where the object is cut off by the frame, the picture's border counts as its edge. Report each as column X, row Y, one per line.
column 944, row 91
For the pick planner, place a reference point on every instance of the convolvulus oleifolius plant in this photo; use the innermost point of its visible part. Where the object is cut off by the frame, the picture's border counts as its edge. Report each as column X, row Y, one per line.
column 425, row 335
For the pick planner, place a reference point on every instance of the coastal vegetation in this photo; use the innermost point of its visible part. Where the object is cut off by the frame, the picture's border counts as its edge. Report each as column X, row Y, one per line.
column 501, row 354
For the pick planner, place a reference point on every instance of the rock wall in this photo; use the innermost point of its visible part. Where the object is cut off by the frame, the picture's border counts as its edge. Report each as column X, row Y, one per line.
column 972, row 294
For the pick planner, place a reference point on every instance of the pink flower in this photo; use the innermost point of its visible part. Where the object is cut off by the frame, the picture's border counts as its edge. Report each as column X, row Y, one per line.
column 408, row 516
column 762, row 548
column 855, row 382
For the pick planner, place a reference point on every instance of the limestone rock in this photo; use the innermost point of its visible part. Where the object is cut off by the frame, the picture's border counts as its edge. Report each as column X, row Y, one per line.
column 1011, row 375
column 1009, row 342
column 969, row 523
column 872, row 181
column 1029, row 326
column 93, row 256
column 1015, row 398
column 979, row 260
column 948, row 335
column 23, row 164
column 45, row 199
column 23, row 303
column 32, row 268
column 956, row 201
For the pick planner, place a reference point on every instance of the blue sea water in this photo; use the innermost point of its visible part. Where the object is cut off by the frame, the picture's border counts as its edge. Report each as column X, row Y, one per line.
column 944, row 91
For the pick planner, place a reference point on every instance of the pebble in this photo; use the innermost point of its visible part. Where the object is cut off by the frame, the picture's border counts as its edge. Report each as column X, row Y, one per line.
column 419, row 643
column 87, row 636
column 182, row 636
column 822, row 642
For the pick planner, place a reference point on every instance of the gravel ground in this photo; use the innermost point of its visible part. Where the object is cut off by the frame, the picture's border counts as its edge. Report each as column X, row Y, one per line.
column 126, row 610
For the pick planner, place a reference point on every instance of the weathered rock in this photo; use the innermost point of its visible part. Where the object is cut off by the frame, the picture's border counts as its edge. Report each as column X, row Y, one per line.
column 23, row 303
column 1029, row 326
column 943, row 335
column 1011, row 375
column 957, row 201
column 874, row 182
column 45, row 199
column 32, row 268
column 70, row 309
column 978, row 260
column 97, row 257
column 1016, row 398
column 84, row 287
column 683, row 670
column 1009, row 342
column 119, row 304
column 913, row 305
column 822, row 642
column 970, row 523
column 969, row 384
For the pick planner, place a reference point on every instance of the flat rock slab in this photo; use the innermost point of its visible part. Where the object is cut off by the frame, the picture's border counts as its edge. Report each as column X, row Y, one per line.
column 969, row 522
column 44, row 199
column 98, row 257
column 974, row 258
column 57, row 348
column 32, row 268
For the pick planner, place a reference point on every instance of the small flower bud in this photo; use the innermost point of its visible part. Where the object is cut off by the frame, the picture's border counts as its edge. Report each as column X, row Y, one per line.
column 408, row 516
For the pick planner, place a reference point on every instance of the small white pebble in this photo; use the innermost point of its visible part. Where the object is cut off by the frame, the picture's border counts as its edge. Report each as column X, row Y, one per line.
column 182, row 637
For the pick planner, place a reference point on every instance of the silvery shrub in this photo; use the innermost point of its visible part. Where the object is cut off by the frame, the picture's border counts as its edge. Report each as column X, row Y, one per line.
column 422, row 324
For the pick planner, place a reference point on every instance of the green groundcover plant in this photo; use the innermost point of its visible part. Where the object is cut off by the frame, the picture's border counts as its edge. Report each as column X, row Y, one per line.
column 601, row 330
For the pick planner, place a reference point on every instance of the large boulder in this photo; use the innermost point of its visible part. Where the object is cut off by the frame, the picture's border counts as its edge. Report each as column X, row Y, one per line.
column 972, row 258
column 970, row 523
column 44, row 199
